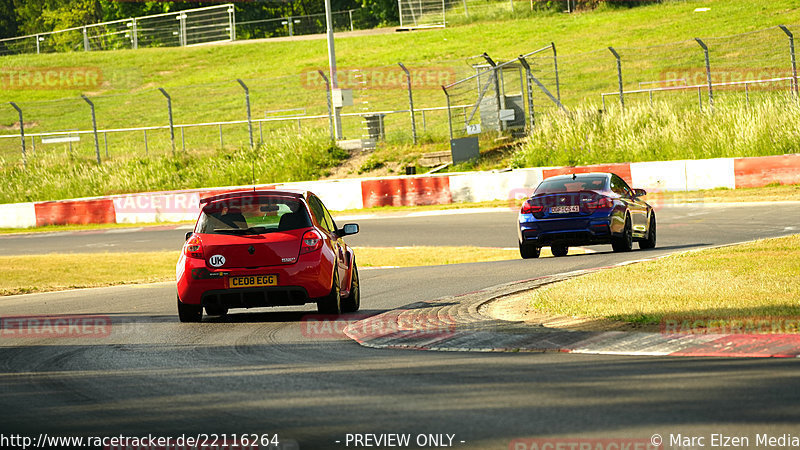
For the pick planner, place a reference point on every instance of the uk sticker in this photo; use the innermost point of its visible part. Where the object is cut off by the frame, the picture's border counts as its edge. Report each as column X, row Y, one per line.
column 217, row 261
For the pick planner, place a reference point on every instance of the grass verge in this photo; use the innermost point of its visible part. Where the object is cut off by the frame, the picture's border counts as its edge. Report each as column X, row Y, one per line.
column 757, row 279
column 280, row 159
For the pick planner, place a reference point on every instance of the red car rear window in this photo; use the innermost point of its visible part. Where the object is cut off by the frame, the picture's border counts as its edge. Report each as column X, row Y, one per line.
column 253, row 215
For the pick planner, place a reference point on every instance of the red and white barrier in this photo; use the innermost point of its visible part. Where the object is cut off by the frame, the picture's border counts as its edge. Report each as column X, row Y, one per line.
column 173, row 206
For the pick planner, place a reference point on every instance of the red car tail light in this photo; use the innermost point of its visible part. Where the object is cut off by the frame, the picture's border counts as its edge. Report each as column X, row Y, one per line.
column 312, row 241
column 600, row 203
column 528, row 208
column 193, row 248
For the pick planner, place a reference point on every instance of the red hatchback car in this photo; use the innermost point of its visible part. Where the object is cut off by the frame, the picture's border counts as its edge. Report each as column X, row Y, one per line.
column 266, row 248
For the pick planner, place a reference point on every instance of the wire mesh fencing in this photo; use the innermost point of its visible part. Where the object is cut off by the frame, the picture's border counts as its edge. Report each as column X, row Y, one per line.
column 395, row 103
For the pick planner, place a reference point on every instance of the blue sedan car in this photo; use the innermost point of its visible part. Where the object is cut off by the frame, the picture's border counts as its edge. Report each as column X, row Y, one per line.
column 585, row 209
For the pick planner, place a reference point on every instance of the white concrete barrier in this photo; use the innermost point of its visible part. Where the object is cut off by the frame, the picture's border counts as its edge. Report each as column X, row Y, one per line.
column 17, row 215
column 337, row 195
column 487, row 186
column 710, row 174
column 659, row 176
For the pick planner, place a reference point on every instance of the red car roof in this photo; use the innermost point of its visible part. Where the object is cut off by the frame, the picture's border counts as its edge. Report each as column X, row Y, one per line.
column 256, row 193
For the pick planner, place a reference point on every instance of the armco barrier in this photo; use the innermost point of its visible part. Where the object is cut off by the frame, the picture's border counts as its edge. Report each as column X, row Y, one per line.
column 171, row 206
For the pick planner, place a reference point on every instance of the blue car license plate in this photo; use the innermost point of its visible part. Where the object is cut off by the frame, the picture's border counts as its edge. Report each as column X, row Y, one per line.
column 564, row 209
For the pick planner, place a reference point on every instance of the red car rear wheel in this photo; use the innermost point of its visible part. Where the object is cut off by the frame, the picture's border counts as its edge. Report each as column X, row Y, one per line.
column 331, row 303
column 189, row 313
column 353, row 301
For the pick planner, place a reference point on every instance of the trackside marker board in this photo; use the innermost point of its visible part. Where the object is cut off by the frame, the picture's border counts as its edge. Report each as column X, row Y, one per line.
column 56, row 140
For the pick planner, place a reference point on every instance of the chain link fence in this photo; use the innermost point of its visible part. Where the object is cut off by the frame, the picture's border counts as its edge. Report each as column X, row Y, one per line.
column 483, row 95
column 179, row 29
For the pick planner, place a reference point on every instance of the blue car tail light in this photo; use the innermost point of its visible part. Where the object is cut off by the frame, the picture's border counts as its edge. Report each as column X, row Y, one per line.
column 529, row 208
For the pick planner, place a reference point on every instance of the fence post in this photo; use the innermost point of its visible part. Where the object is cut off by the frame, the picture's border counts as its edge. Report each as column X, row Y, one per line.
column 410, row 103
column 85, row 39
column 146, row 147
column 794, row 62
column 330, row 106
column 529, row 87
column 232, row 22
column 249, row 117
column 619, row 77
column 134, row 34
column 21, row 134
column 747, row 94
column 289, row 21
column 171, row 123
column 449, row 113
column 700, row 98
column 221, row 141
column 182, row 29
column 708, row 75
column 466, row 11
column 94, row 128
column 555, row 66
column 351, row 19
column 37, row 44
column 496, row 89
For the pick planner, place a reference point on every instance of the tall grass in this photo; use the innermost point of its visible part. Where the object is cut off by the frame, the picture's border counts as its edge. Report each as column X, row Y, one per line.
column 660, row 132
column 60, row 176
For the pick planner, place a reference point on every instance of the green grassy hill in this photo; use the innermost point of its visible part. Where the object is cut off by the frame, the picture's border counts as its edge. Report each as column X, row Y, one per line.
column 202, row 83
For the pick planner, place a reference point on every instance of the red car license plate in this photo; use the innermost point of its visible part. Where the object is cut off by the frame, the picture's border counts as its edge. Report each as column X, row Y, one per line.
column 252, row 281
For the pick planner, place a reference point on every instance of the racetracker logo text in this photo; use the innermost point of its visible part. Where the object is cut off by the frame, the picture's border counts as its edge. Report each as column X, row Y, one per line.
column 321, row 326
column 383, row 78
column 44, row 78
column 755, row 78
column 55, row 327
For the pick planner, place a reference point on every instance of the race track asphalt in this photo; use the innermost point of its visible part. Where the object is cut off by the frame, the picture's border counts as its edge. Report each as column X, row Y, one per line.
column 265, row 371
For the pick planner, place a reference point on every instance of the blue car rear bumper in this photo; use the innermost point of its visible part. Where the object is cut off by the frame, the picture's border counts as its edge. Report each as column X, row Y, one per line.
column 582, row 230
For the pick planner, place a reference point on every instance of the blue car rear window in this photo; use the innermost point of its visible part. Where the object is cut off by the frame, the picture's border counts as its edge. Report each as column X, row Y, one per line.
column 569, row 185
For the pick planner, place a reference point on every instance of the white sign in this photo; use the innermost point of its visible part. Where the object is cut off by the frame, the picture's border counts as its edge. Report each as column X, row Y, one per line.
column 217, row 261
column 474, row 129
column 507, row 114
column 342, row 97
column 56, row 140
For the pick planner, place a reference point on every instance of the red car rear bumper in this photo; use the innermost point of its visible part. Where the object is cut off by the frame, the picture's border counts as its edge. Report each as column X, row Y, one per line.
column 304, row 281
